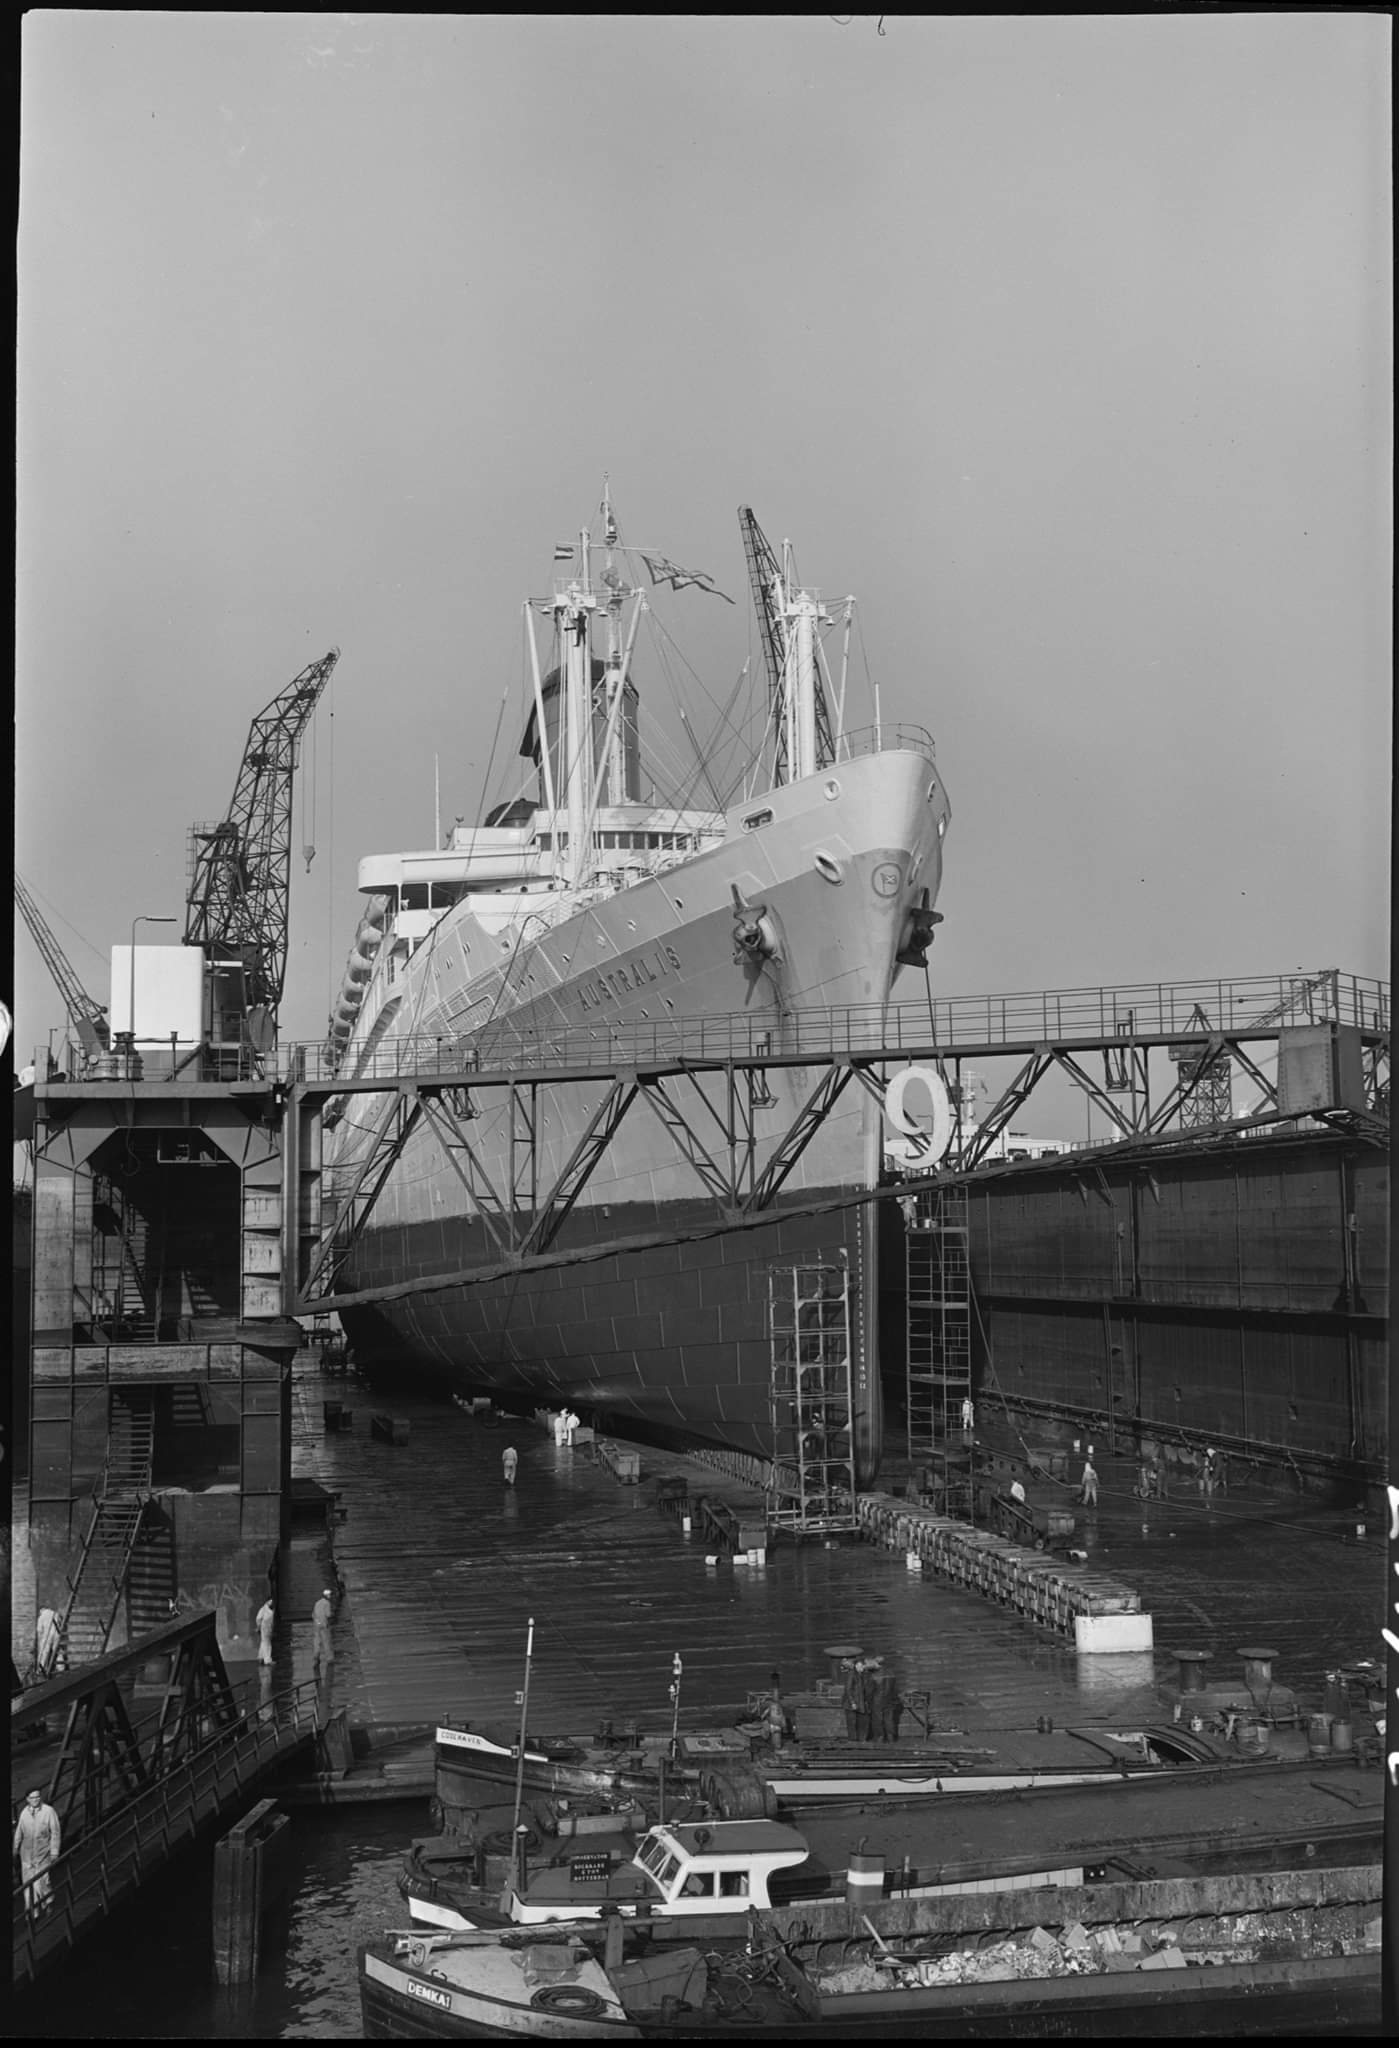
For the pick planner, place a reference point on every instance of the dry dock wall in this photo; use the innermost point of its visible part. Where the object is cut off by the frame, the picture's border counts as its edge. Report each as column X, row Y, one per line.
column 1236, row 1295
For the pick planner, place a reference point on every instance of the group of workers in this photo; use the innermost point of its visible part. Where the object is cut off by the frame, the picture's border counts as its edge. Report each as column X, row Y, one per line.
column 870, row 1699
column 1211, row 1465
column 322, row 1642
column 565, row 1424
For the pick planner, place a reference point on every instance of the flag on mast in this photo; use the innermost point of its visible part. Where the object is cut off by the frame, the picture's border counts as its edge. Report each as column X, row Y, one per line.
column 563, row 552
column 662, row 571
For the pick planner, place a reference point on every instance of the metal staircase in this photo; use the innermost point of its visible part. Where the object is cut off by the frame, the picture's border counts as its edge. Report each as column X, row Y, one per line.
column 96, row 1587
column 120, row 1297
column 150, row 1575
column 939, row 1379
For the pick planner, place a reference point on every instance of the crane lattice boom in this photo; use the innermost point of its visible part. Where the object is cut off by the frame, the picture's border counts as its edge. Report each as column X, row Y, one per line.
column 241, row 883
column 88, row 1018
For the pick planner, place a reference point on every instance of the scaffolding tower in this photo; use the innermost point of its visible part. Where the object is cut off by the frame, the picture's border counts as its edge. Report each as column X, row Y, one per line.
column 811, row 1482
column 939, row 1371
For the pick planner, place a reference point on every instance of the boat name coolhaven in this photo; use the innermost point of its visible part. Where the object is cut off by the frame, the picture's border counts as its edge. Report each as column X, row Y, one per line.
column 632, row 974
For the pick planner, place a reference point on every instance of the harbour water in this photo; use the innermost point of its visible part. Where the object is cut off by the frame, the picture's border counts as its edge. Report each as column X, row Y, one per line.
column 442, row 1565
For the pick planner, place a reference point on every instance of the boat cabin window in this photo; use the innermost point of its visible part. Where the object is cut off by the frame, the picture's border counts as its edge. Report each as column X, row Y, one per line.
column 445, row 894
column 667, row 1871
column 733, row 1884
column 651, row 1856
column 413, row 896
column 700, row 1884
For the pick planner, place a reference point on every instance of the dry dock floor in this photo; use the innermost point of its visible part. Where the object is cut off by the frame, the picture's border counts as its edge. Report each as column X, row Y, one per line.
column 442, row 1565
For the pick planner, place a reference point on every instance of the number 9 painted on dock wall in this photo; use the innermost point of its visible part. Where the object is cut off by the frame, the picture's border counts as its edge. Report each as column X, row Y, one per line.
column 903, row 1120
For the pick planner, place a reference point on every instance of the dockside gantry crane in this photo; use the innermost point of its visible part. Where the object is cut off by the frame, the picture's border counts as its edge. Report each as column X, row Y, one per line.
column 240, row 881
column 87, row 1017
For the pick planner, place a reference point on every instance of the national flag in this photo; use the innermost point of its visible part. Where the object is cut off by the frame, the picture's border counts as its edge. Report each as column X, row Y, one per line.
column 662, row 571
column 563, row 553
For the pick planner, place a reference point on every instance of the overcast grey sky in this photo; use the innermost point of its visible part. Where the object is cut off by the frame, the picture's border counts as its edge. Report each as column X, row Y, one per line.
column 1063, row 342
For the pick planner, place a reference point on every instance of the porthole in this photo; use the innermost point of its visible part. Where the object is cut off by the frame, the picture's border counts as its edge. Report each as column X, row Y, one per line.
column 832, row 790
column 756, row 818
column 828, row 867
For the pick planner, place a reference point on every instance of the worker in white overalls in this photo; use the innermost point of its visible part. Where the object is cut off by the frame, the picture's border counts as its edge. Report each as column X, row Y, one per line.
column 38, row 1839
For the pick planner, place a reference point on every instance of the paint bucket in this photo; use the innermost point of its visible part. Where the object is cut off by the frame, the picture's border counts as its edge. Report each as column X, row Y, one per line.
column 1319, row 1728
column 1253, row 1732
column 1342, row 1735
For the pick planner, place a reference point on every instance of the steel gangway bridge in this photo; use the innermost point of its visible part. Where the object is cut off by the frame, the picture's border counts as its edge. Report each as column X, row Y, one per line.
column 705, row 1080
column 131, row 1789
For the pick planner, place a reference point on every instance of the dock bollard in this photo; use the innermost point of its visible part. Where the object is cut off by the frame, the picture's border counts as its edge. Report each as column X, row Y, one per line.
column 1258, row 1670
column 838, row 1654
column 1190, row 1665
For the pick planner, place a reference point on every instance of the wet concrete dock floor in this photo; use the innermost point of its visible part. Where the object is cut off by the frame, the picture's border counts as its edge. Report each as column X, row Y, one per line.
column 442, row 1564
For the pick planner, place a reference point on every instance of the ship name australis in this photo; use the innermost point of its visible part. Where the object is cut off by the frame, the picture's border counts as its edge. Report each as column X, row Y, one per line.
column 632, row 974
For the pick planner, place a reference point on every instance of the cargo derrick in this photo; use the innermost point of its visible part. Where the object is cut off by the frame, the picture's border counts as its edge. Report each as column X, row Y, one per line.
column 87, row 1017
column 240, row 883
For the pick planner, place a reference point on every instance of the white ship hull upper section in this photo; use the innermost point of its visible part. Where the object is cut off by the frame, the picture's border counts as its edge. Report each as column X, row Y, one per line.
column 840, row 862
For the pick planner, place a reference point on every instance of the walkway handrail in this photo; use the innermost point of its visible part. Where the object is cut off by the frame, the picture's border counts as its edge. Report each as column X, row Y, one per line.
column 89, row 1877
column 1237, row 1007
column 1254, row 1006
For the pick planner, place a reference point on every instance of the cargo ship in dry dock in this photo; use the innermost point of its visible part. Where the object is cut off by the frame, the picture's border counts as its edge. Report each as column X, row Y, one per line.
column 586, row 901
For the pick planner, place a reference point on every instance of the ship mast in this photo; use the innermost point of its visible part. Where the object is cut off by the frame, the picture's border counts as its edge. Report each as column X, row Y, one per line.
column 802, row 612
column 573, row 608
column 616, row 665
column 593, row 763
column 787, row 621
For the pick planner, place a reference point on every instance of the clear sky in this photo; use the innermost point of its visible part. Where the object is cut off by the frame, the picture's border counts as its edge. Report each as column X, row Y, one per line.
column 1063, row 342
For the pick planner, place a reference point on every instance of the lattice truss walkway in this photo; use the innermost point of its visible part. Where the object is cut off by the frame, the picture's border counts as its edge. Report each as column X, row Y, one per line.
column 704, row 1082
